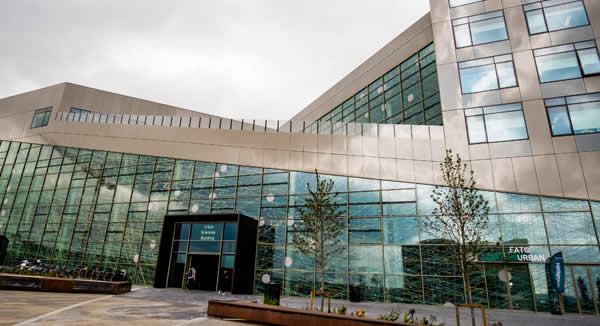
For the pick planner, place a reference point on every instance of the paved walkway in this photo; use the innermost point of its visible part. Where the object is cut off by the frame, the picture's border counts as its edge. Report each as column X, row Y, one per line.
column 173, row 307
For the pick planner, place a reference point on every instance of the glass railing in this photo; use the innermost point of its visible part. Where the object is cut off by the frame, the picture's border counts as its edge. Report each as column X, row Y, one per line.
column 263, row 126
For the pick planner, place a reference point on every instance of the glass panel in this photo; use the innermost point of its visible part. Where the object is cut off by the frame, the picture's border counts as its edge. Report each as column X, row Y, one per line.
column 489, row 31
column 366, row 259
column 456, row 3
column 230, row 231
column 505, row 126
column 205, row 246
column 578, row 230
column 523, row 229
column 462, row 36
column 496, row 277
column 584, row 289
column 589, row 61
column 569, row 300
column 476, row 129
column 506, row 74
column 478, row 79
column 543, row 302
column 520, row 287
column 182, row 231
column 367, row 230
column 403, row 289
column 559, row 66
column 401, row 230
column 566, row 16
column 536, row 21
column 585, row 117
column 559, row 121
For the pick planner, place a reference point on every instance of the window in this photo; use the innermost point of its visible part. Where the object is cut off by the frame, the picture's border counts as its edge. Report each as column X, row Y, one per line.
column 456, row 3
column 496, row 123
column 567, row 61
column 407, row 94
column 41, row 118
column 480, row 29
column 78, row 110
column 574, row 114
column 554, row 15
column 487, row 74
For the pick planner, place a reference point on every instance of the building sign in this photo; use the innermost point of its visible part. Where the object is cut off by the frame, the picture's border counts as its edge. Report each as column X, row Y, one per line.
column 515, row 254
column 208, row 232
column 523, row 254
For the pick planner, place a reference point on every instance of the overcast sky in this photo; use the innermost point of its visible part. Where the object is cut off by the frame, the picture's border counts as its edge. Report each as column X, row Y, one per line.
column 263, row 59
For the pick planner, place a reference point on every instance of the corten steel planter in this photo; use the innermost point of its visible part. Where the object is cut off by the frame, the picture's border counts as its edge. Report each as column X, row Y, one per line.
column 57, row 284
column 274, row 315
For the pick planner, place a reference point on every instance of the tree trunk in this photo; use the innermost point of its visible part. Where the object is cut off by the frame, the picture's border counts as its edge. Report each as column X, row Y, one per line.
column 322, row 265
column 470, row 294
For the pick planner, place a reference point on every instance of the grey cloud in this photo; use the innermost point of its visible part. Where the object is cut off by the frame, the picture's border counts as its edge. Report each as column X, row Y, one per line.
column 244, row 58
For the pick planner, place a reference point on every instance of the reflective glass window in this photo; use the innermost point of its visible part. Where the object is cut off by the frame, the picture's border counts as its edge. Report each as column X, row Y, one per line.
column 480, row 29
column 495, row 124
column 456, row 3
column 567, row 61
column 41, row 118
column 487, row 74
column 555, row 15
column 574, row 114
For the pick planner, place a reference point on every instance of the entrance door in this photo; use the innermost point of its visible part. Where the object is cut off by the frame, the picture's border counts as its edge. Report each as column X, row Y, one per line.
column 207, row 268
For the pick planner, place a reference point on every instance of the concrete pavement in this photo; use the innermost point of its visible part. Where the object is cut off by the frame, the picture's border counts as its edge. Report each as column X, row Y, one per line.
column 174, row 307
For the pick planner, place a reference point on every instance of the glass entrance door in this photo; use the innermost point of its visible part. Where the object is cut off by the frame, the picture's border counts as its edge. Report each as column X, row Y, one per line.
column 209, row 247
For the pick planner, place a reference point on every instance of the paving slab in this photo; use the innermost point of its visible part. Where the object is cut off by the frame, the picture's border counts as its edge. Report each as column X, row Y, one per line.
column 17, row 306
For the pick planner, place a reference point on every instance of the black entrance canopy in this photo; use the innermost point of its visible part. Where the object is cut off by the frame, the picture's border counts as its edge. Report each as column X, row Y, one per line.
column 245, row 248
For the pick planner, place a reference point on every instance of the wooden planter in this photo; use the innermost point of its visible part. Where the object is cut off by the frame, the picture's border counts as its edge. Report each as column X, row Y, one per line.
column 57, row 284
column 275, row 315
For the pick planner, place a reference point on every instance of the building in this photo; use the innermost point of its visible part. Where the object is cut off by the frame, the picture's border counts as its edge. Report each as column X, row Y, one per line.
column 91, row 178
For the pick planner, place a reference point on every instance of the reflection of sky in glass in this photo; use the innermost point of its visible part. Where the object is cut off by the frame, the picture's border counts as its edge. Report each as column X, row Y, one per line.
column 462, row 35
column 589, row 61
column 585, row 117
column 505, row 126
column 566, row 16
column 559, row 121
column 478, row 79
column 455, row 3
column 535, row 20
column 489, row 31
column 558, row 67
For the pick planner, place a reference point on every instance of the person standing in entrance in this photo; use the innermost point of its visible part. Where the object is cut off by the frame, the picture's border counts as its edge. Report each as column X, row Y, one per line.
column 191, row 278
column 223, row 281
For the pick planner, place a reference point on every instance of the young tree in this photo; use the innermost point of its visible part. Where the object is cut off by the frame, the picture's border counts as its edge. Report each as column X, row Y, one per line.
column 460, row 215
column 318, row 235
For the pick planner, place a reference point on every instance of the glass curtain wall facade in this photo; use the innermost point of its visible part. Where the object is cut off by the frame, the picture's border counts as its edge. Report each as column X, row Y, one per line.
column 82, row 207
column 407, row 94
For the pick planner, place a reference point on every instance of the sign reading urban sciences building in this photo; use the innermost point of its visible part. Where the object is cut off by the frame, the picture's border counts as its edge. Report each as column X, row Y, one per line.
column 515, row 254
column 208, row 232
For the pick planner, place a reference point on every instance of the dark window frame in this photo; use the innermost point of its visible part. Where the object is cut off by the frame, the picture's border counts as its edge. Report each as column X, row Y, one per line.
column 46, row 118
column 566, row 105
column 466, row 4
column 471, row 33
column 512, row 60
column 483, row 114
column 583, row 75
column 544, row 16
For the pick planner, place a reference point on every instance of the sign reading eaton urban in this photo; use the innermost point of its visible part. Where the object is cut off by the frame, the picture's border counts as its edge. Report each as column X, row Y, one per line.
column 515, row 254
column 523, row 254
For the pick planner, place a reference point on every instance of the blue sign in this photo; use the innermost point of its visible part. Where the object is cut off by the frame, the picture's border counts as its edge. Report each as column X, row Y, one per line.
column 557, row 273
